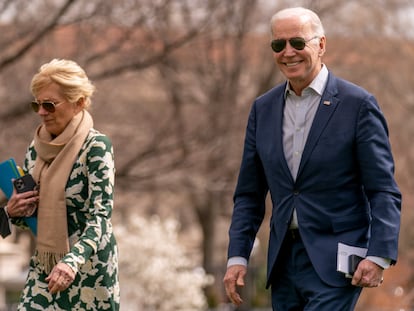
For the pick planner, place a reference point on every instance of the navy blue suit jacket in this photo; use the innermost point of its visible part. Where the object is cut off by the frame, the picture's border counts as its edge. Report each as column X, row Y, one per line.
column 344, row 190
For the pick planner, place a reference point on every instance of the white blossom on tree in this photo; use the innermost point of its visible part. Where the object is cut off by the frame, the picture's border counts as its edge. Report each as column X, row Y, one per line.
column 155, row 272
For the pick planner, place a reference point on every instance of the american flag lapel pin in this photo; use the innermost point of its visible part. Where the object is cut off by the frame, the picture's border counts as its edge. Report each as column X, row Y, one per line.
column 327, row 103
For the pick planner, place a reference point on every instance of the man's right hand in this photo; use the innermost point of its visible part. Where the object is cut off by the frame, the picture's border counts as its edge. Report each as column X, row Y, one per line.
column 233, row 279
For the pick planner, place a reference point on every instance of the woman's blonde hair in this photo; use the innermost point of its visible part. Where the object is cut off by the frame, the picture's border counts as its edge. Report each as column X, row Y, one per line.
column 71, row 78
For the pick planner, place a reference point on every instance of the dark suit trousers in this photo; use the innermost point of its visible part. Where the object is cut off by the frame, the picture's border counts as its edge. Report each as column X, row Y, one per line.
column 297, row 287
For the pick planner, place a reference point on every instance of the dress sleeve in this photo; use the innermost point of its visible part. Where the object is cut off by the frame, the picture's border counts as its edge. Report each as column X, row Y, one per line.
column 97, row 208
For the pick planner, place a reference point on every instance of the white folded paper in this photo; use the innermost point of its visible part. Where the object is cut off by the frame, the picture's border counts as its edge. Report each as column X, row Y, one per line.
column 344, row 251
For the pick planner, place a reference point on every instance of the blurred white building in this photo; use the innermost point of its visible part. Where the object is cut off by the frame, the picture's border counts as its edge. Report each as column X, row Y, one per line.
column 14, row 259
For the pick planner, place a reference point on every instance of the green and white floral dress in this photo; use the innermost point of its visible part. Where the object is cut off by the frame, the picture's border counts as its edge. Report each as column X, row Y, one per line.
column 93, row 251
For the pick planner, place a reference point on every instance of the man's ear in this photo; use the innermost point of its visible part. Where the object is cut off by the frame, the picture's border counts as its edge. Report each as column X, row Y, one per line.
column 322, row 46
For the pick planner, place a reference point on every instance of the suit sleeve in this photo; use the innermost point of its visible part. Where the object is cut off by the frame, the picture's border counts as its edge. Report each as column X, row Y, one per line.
column 377, row 174
column 249, row 197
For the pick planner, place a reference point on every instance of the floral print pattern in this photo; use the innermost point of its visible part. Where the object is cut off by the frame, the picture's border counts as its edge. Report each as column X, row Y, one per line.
column 93, row 250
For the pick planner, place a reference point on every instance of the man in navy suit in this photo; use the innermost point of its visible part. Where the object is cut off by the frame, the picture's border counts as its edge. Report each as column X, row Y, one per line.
column 320, row 146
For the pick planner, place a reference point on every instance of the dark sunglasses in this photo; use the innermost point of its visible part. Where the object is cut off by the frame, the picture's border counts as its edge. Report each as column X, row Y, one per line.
column 297, row 43
column 49, row 106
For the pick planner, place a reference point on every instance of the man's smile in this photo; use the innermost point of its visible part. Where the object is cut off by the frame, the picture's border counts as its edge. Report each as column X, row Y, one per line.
column 292, row 64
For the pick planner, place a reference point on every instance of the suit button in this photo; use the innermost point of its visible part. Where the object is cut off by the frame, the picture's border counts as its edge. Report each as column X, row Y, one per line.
column 296, row 192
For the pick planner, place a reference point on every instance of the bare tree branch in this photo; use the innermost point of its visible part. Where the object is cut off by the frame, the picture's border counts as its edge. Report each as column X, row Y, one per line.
column 35, row 39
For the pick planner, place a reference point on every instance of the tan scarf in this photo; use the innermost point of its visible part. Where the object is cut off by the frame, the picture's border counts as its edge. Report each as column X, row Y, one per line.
column 54, row 162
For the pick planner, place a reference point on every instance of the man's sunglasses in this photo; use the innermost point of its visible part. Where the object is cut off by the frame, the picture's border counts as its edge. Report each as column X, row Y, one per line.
column 297, row 43
column 49, row 106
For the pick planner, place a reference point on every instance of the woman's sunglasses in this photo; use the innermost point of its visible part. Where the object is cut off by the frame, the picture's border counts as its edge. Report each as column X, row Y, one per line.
column 297, row 43
column 49, row 106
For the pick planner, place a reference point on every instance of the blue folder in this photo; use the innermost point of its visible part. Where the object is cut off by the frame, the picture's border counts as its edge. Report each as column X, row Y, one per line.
column 8, row 171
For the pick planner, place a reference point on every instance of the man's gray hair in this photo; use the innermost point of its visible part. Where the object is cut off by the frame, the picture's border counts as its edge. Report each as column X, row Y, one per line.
column 303, row 13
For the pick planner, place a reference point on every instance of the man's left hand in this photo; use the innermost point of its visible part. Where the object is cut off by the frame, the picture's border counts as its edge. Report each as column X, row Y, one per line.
column 368, row 274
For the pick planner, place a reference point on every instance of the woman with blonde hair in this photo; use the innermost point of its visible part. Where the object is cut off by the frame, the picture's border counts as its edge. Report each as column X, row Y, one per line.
column 75, row 265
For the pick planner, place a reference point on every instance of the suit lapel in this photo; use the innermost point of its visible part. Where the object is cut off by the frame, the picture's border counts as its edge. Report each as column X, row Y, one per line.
column 278, row 130
column 327, row 107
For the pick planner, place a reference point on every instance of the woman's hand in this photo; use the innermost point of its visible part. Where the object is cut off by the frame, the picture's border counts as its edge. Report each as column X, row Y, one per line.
column 22, row 204
column 60, row 278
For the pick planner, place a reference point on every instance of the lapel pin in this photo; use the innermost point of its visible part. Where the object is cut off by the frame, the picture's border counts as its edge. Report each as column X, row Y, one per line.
column 327, row 103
